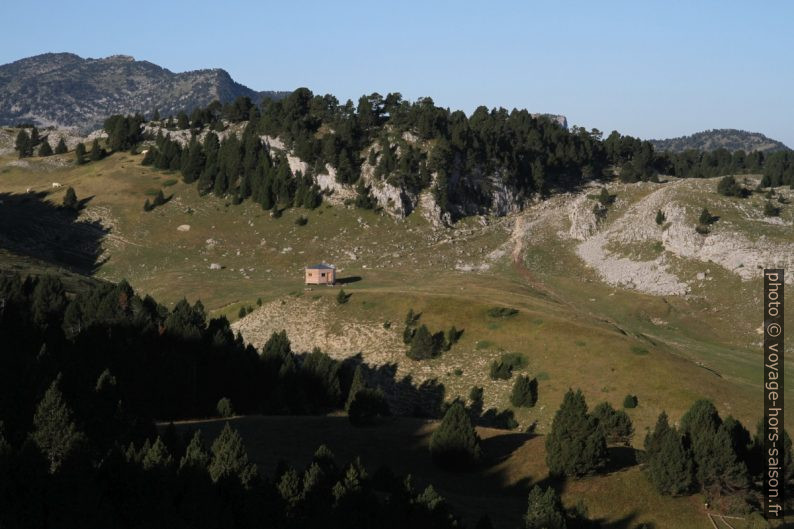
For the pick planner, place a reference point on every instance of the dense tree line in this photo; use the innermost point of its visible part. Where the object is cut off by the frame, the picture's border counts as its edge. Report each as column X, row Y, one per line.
column 413, row 146
column 709, row 454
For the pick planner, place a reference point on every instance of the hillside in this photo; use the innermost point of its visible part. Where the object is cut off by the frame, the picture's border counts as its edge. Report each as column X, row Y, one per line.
column 65, row 90
column 608, row 301
column 711, row 140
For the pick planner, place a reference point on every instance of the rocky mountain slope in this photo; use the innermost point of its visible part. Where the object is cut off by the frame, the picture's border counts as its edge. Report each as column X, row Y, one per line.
column 710, row 140
column 63, row 89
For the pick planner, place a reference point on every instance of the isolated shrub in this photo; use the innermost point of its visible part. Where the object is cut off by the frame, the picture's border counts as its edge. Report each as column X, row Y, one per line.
column 701, row 229
column 770, row 210
column 705, row 218
column 70, row 200
column 729, row 187
column 502, row 312
column 604, row 198
column 424, row 344
column 411, row 318
column 225, row 408
column 576, row 445
column 242, row 313
column 630, row 401
column 502, row 369
column 367, row 405
column 455, row 445
column 660, row 218
column 159, row 198
column 453, row 335
column 615, row 423
column 258, row 302
column 342, row 297
column 525, row 392
column 301, row 221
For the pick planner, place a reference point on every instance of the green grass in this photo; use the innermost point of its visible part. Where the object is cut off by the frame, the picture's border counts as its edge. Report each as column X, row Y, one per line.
column 573, row 330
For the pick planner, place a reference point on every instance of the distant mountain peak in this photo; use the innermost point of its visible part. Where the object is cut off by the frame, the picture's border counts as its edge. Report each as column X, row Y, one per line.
column 730, row 139
column 66, row 90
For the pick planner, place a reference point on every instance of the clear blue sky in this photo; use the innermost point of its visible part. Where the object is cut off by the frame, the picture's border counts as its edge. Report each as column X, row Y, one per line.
column 647, row 68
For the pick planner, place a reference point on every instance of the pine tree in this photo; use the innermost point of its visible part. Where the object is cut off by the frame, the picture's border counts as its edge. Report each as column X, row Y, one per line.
column 367, row 405
column 195, row 457
column 70, row 199
column 225, row 408
column 422, row 344
column 615, row 423
column 544, row 510
column 54, row 430
column 61, row 147
column 49, row 301
column 342, row 297
column 576, row 445
column 79, row 154
column 24, row 145
column 230, row 460
column 157, row 456
column 356, row 385
column 716, row 463
column 668, row 465
column 705, row 217
column 45, row 149
column 660, row 218
column 97, row 152
column 455, row 444
column 525, row 392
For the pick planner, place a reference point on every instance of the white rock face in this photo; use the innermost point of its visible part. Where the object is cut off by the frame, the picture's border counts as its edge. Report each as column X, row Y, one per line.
column 724, row 246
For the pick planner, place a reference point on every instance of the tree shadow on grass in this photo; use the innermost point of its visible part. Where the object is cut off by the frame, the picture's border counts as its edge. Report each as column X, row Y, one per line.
column 348, row 280
column 31, row 226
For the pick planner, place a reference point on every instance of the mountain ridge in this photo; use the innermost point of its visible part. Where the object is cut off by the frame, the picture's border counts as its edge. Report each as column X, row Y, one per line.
column 713, row 139
column 66, row 90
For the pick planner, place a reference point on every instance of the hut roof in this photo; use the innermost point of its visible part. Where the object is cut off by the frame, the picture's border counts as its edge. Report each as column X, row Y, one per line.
column 321, row 266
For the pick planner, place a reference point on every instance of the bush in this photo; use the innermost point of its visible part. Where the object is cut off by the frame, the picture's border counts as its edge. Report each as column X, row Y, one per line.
column 660, row 218
column 301, row 221
column 703, row 230
column 503, row 368
column 242, row 313
column 729, row 187
column 70, row 200
column 225, row 408
column 502, row 312
column 147, row 206
column 604, row 198
column 706, row 218
column 525, row 392
column 170, row 182
column 770, row 210
column 424, row 344
column 367, row 405
column 630, row 401
column 455, row 445
column 342, row 297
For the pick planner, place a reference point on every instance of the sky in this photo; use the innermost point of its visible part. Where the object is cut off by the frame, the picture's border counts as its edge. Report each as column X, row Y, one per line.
column 652, row 69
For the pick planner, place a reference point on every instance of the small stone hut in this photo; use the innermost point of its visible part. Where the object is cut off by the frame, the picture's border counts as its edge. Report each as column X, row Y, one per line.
column 320, row 274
